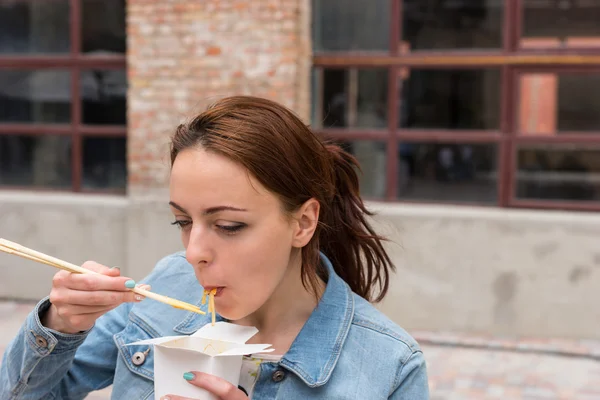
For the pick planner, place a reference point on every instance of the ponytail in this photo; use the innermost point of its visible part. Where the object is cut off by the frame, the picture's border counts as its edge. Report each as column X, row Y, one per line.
column 347, row 238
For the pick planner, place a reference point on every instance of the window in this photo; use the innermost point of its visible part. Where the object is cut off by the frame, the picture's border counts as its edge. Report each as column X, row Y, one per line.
column 464, row 102
column 63, row 97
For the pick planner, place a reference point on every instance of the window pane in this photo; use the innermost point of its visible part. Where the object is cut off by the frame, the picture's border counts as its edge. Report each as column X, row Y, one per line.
column 103, row 26
column 35, row 96
column 568, row 23
column 552, row 102
column 447, row 172
column 104, row 96
column 38, row 161
column 355, row 98
column 104, row 163
column 33, row 26
column 351, row 25
column 451, row 24
column 450, row 99
column 559, row 172
column 372, row 158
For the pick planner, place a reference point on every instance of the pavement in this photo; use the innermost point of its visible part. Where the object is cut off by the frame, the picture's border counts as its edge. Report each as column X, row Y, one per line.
column 463, row 367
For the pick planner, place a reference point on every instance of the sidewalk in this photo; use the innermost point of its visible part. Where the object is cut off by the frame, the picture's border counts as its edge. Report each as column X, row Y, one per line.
column 466, row 368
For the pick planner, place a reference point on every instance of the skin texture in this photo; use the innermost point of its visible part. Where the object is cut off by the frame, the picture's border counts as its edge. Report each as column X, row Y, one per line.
column 78, row 300
column 237, row 236
column 219, row 387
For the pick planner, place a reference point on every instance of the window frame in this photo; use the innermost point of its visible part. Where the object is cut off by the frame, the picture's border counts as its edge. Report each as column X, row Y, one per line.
column 74, row 62
column 511, row 59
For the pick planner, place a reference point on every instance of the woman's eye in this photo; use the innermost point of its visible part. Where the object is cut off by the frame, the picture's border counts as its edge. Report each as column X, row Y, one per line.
column 231, row 229
column 181, row 223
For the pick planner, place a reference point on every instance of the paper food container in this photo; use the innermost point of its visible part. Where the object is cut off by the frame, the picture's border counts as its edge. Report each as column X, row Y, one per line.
column 216, row 350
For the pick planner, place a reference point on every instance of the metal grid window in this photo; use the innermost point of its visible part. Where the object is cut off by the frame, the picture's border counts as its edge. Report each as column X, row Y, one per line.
column 63, row 91
column 463, row 102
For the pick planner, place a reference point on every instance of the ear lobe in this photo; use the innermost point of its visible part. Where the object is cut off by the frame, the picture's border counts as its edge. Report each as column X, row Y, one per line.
column 307, row 218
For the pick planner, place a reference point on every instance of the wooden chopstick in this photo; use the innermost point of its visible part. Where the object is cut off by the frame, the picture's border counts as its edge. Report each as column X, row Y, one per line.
column 22, row 251
column 11, row 251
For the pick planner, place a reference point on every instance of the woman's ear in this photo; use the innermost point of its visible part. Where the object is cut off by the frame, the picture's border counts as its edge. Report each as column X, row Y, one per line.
column 307, row 219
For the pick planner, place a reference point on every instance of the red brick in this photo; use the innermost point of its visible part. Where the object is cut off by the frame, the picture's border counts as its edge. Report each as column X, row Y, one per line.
column 183, row 55
column 213, row 51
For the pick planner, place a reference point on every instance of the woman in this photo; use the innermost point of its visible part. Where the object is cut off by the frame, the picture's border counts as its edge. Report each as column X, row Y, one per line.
column 271, row 217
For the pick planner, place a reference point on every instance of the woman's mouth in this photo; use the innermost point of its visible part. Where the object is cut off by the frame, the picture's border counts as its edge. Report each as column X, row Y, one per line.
column 218, row 292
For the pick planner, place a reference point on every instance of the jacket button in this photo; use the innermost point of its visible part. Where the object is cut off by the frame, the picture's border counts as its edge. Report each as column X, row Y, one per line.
column 278, row 376
column 138, row 358
column 40, row 341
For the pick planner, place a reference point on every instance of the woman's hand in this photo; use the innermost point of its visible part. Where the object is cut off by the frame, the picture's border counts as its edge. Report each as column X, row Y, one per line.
column 78, row 300
column 217, row 386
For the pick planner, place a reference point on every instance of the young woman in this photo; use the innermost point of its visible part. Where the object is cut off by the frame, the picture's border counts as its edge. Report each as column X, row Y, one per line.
column 271, row 217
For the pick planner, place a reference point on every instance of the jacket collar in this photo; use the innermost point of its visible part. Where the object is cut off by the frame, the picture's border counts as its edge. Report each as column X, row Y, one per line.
column 316, row 350
column 314, row 353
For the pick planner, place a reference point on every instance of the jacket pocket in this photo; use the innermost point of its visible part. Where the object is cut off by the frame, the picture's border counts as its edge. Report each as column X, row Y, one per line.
column 139, row 359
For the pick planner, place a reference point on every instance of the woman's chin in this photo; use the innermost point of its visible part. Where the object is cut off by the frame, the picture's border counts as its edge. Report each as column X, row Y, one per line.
column 230, row 314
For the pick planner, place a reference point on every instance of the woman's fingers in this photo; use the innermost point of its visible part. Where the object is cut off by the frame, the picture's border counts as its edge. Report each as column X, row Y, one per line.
column 217, row 386
column 106, row 279
column 98, row 298
column 79, row 299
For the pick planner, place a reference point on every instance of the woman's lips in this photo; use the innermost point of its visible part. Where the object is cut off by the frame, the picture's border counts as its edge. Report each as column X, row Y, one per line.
column 219, row 289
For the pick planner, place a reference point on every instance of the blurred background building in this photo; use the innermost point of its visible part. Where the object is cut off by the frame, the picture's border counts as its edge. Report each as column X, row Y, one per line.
column 477, row 124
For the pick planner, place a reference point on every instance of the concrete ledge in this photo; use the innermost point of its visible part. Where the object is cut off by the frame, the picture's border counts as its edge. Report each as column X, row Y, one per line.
column 482, row 213
column 61, row 199
column 75, row 228
column 461, row 269
column 505, row 272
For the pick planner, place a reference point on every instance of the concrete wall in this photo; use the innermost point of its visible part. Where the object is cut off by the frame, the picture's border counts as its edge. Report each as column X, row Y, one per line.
column 72, row 228
column 459, row 268
column 492, row 270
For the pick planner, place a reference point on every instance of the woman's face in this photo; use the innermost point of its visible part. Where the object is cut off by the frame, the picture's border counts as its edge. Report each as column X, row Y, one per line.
column 234, row 231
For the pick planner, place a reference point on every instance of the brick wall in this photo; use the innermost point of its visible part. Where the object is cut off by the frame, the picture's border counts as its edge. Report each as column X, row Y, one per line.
column 185, row 54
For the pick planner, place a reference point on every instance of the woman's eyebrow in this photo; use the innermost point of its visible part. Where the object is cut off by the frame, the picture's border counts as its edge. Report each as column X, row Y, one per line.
column 177, row 206
column 213, row 210
column 208, row 211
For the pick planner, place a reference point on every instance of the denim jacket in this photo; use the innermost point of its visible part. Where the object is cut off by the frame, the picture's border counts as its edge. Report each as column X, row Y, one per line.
column 346, row 350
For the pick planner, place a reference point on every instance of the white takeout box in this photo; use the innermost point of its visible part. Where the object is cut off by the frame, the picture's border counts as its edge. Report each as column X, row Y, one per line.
column 216, row 350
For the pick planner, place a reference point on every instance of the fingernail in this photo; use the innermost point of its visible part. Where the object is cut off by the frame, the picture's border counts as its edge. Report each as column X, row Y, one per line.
column 130, row 284
column 138, row 297
column 119, row 268
column 165, row 398
column 188, row 376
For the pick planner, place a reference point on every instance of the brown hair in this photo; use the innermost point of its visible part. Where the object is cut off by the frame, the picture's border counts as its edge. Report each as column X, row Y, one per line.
column 292, row 162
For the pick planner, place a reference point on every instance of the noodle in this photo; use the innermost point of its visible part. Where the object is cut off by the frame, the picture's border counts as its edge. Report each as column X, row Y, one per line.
column 211, row 302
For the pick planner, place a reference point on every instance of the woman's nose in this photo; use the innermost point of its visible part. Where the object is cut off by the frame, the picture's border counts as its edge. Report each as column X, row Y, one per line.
column 198, row 251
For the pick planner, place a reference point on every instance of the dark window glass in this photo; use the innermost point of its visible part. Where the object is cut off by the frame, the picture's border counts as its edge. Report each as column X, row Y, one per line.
column 450, row 99
column 351, row 25
column 104, row 96
column 353, row 98
column 451, row 24
column 372, row 157
column 104, row 163
column 37, row 161
column 551, row 103
column 34, row 26
column 571, row 23
column 559, row 172
column 447, row 172
column 103, row 26
column 38, row 96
